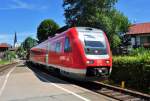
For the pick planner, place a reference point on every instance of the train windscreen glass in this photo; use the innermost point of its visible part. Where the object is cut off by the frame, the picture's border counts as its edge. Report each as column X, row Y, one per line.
column 95, row 44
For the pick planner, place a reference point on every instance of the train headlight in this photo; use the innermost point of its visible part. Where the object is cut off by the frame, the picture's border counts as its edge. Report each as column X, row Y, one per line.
column 90, row 61
column 107, row 61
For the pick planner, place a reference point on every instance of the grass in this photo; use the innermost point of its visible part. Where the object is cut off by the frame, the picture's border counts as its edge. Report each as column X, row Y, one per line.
column 3, row 62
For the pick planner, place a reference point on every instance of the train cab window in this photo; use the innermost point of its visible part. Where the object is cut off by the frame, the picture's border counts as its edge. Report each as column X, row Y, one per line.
column 58, row 47
column 98, row 44
column 67, row 47
column 95, row 47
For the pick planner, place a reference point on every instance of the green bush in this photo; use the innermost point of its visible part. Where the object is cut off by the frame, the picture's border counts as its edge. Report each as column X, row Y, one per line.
column 10, row 55
column 139, row 51
column 134, row 70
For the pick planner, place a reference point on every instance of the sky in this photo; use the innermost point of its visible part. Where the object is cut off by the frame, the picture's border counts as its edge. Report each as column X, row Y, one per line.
column 24, row 16
column 138, row 11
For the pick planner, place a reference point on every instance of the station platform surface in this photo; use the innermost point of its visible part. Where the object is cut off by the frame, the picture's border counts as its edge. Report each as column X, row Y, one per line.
column 23, row 84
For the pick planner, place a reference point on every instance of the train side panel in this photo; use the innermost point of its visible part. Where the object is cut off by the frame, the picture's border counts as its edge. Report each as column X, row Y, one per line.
column 39, row 52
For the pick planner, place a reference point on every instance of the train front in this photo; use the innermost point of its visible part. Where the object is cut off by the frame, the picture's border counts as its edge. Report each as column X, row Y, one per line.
column 97, row 53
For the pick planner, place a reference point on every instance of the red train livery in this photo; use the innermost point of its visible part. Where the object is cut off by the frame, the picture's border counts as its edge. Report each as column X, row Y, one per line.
column 81, row 53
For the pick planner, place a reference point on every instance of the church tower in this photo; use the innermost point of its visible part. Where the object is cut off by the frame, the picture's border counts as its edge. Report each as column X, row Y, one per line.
column 15, row 40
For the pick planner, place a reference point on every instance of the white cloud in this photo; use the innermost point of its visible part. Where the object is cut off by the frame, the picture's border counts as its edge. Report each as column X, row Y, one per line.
column 21, row 4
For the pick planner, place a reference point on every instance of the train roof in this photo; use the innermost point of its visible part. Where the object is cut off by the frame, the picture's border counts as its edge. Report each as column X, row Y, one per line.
column 63, row 30
column 79, row 29
column 85, row 29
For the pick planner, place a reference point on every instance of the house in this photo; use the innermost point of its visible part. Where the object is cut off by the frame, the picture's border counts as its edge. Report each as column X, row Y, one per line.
column 3, row 48
column 140, row 35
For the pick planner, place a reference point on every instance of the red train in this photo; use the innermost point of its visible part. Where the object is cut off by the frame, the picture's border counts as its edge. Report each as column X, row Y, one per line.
column 81, row 53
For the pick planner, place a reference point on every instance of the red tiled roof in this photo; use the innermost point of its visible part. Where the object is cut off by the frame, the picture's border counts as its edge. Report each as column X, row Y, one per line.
column 4, row 45
column 142, row 28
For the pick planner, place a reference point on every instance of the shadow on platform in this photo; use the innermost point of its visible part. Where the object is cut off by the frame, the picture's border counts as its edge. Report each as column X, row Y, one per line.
column 51, row 77
column 45, row 75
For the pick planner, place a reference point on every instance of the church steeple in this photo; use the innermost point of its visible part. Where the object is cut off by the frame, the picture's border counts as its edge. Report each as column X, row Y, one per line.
column 15, row 39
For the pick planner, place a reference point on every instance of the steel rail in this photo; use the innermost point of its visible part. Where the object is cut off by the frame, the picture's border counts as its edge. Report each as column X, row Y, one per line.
column 122, row 94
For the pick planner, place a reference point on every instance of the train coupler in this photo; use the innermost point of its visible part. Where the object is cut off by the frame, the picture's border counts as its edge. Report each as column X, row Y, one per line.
column 101, row 71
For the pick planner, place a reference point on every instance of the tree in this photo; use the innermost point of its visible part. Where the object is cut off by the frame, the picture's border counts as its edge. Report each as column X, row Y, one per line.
column 119, row 26
column 46, row 28
column 81, row 12
column 99, row 14
column 10, row 55
column 26, row 46
column 29, row 43
column 21, row 51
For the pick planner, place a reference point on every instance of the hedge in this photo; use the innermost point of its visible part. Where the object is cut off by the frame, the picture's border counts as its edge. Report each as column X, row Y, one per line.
column 134, row 70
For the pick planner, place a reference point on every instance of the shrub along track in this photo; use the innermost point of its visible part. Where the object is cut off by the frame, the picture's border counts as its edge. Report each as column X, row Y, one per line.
column 100, row 88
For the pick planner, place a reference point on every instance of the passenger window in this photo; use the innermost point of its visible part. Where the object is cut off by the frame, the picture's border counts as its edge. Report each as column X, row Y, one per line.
column 58, row 47
column 49, row 46
column 67, row 47
column 53, row 47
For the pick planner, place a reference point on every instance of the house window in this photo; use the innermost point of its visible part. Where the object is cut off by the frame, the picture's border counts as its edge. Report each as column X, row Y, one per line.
column 138, row 40
column 148, row 38
column 145, row 40
column 133, row 41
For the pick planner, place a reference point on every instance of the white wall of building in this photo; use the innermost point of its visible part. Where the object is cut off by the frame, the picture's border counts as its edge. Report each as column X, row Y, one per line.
column 133, row 41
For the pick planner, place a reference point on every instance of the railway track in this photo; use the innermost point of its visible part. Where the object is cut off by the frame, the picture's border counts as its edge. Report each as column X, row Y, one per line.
column 103, row 89
column 5, row 67
column 113, row 91
column 121, row 94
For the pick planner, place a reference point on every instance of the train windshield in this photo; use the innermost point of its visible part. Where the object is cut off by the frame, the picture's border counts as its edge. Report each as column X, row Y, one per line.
column 95, row 45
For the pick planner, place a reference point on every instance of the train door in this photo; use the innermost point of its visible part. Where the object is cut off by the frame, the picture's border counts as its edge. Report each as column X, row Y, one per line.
column 58, row 48
column 47, row 51
column 67, row 52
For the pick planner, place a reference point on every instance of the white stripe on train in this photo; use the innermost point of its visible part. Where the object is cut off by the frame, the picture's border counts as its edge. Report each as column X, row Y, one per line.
column 67, row 69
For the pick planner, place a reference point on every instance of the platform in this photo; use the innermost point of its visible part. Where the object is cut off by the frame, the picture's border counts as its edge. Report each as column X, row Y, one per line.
column 23, row 84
